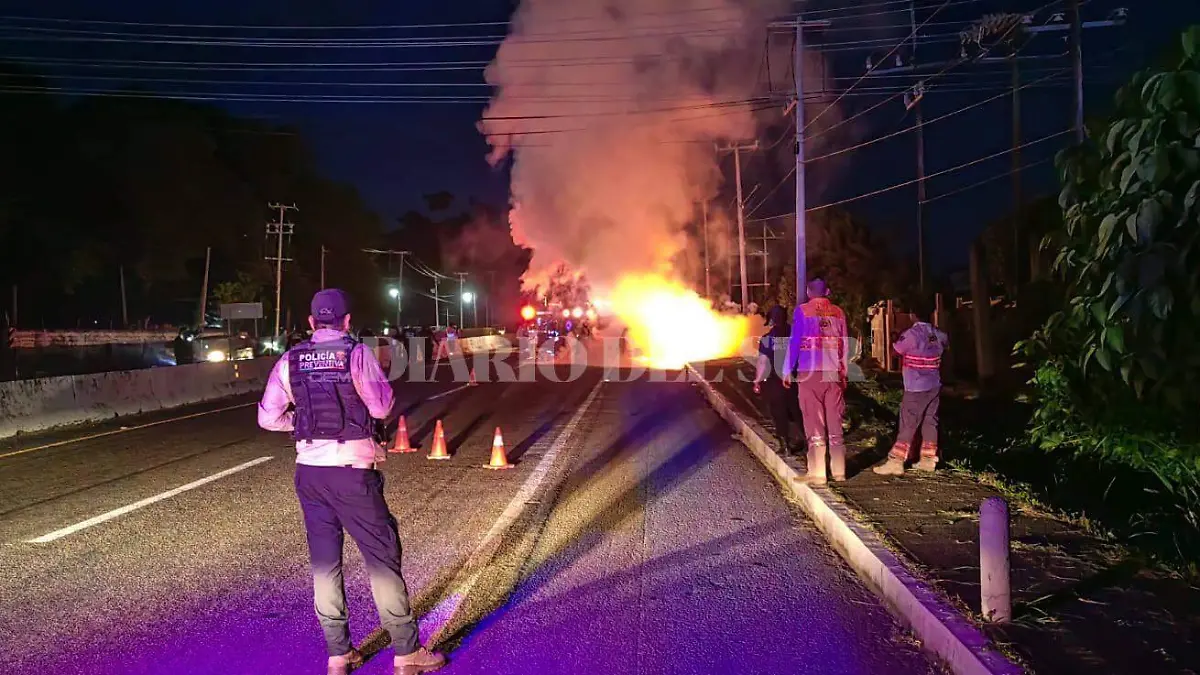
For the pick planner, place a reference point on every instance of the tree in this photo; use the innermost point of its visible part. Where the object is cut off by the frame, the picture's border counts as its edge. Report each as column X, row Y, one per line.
column 1128, row 249
column 100, row 185
column 853, row 262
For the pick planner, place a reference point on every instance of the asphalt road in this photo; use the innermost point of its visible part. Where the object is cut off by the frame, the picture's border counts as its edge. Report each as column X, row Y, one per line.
column 646, row 541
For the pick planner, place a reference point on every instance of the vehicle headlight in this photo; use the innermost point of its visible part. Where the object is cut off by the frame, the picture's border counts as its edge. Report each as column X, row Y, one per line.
column 216, row 356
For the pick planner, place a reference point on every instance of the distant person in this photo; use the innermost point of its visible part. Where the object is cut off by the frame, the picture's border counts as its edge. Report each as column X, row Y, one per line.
column 817, row 356
column 184, row 348
column 920, row 349
column 768, row 378
column 338, row 389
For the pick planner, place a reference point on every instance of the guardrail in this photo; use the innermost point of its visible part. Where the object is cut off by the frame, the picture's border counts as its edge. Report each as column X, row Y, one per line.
column 48, row 402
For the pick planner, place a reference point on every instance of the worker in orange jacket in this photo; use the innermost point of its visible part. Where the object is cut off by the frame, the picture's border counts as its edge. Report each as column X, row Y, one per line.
column 816, row 359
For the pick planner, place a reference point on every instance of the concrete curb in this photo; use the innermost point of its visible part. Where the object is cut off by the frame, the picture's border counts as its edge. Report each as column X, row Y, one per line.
column 940, row 627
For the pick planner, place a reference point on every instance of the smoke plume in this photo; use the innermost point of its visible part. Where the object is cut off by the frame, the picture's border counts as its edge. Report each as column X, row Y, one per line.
column 608, row 110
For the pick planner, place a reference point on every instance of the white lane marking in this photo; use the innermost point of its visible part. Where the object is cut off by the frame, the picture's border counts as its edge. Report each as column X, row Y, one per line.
column 116, row 513
column 124, row 429
column 445, row 610
column 444, row 394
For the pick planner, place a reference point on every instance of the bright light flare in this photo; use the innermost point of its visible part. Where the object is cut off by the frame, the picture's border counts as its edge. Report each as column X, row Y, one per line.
column 591, row 314
column 577, row 312
column 215, row 356
column 566, row 313
column 672, row 325
column 528, row 312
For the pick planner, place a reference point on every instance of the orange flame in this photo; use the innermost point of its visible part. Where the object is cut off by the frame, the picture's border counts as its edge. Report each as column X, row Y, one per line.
column 672, row 325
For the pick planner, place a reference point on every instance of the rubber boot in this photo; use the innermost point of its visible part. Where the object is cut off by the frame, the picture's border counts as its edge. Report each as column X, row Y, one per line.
column 892, row 467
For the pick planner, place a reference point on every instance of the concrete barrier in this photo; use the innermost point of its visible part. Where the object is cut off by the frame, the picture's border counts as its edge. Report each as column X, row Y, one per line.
column 36, row 405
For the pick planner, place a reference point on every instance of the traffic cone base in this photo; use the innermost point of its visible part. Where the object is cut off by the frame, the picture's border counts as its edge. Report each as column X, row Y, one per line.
column 439, row 443
column 499, row 455
column 401, row 444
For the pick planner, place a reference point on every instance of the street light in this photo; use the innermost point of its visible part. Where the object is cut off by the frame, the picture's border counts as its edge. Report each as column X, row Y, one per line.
column 469, row 298
column 394, row 292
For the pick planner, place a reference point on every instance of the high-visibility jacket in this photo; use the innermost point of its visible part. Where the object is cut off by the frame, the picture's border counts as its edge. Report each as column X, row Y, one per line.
column 818, row 342
column 921, row 349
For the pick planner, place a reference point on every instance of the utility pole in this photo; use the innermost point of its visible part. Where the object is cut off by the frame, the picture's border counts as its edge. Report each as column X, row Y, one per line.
column 400, row 288
column 399, row 279
column 765, row 263
column 1016, row 173
column 741, row 216
column 491, row 289
column 707, row 276
column 798, row 26
column 124, row 306
column 280, row 229
column 204, row 289
column 437, row 316
column 741, row 219
column 920, row 127
column 323, row 250
column 801, row 234
column 1076, row 43
column 462, row 278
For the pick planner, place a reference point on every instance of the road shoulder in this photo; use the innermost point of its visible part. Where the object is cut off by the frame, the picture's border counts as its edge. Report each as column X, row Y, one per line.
column 942, row 629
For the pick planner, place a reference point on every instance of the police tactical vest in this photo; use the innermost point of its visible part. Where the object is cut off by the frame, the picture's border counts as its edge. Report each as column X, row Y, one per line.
column 328, row 406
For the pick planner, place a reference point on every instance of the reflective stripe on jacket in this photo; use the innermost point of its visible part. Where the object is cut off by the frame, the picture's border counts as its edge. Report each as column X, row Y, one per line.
column 818, row 342
column 922, row 347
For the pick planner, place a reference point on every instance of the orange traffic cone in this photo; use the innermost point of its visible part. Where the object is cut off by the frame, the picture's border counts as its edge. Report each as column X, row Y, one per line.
column 499, row 456
column 400, row 443
column 439, row 443
column 472, row 382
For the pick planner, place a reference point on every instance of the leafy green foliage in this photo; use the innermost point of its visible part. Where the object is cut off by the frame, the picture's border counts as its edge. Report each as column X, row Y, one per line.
column 1118, row 380
column 1128, row 248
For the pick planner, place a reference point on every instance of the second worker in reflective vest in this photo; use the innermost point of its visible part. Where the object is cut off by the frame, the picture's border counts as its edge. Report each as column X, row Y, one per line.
column 921, row 349
column 816, row 357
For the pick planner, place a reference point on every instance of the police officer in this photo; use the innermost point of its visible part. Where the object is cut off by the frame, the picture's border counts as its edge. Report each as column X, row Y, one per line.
column 772, row 351
column 816, row 356
column 338, row 389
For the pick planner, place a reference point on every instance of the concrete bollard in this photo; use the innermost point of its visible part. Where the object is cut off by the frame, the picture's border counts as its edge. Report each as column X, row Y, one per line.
column 996, row 599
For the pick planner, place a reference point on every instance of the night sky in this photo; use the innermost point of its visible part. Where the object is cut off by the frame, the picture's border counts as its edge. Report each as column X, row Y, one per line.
column 396, row 151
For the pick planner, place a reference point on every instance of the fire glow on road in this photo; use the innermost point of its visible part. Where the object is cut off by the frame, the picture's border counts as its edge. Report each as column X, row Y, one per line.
column 673, row 325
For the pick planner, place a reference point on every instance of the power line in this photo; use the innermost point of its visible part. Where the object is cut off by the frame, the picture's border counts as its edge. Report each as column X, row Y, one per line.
column 985, row 181
column 829, row 13
column 949, row 65
column 952, row 113
column 932, row 175
column 913, row 34
column 940, row 173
